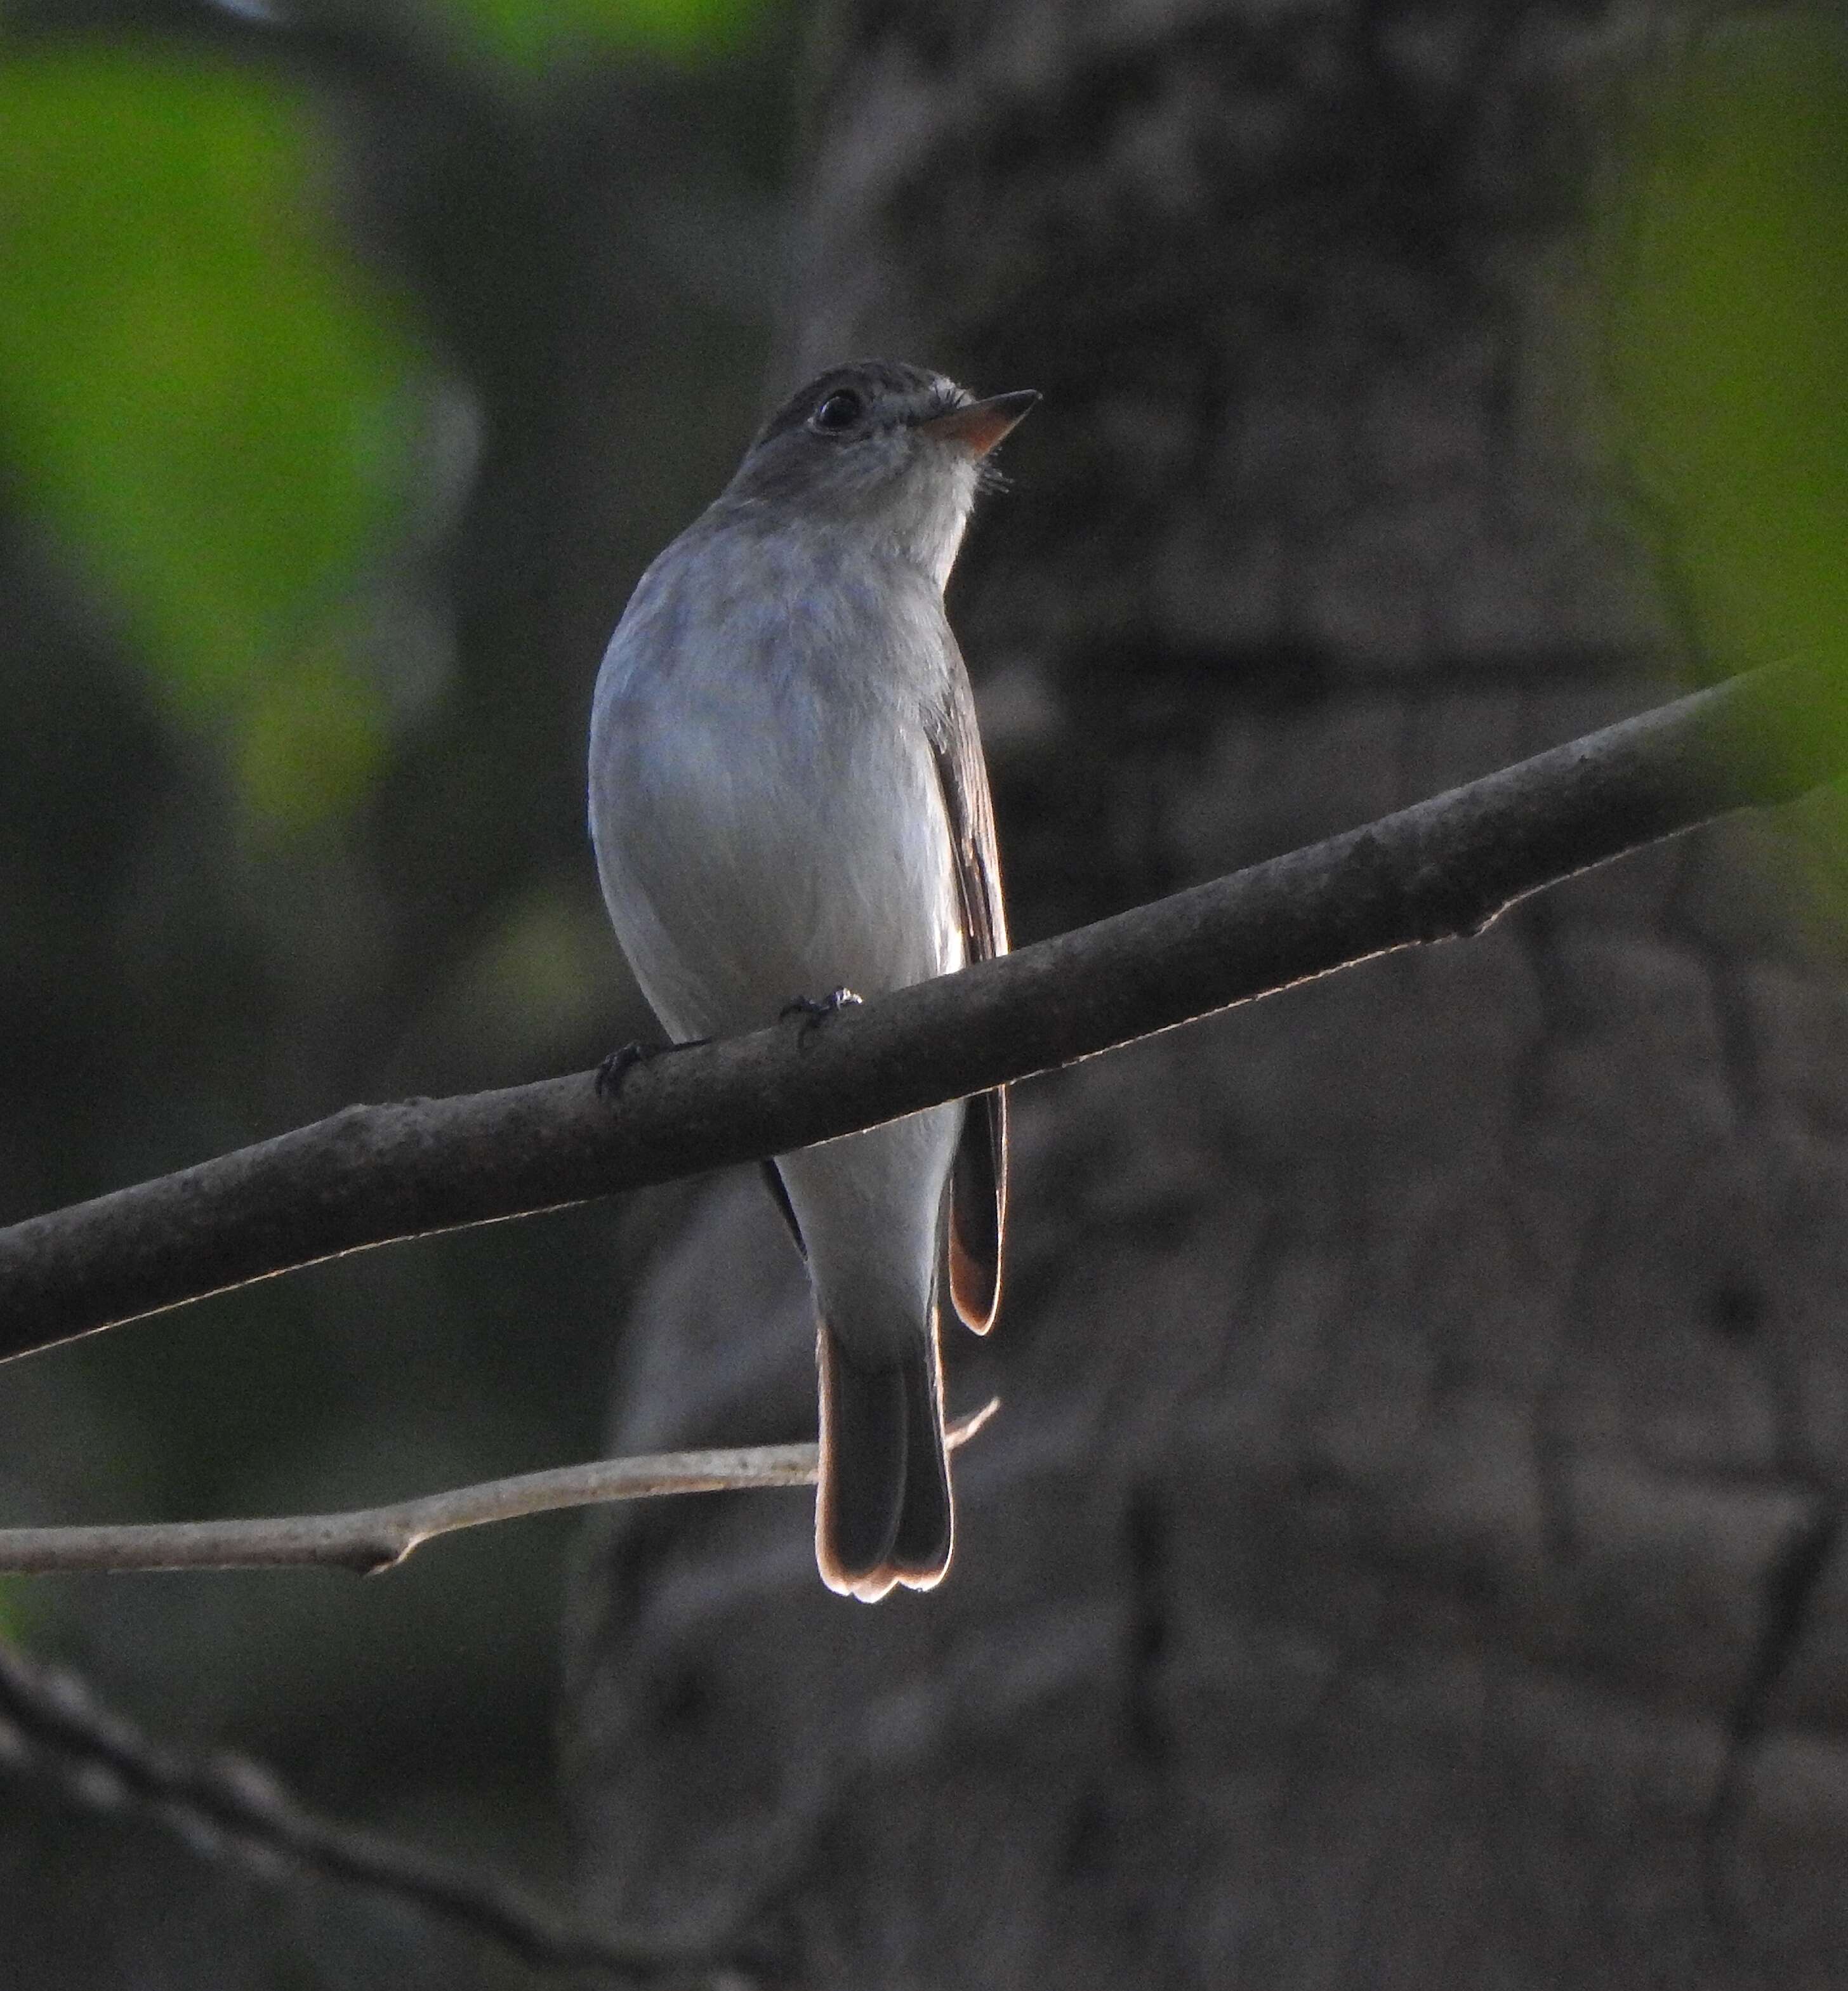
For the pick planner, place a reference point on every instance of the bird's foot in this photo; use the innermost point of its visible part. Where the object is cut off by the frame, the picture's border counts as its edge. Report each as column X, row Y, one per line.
column 624, row 1059
column 815, row 1012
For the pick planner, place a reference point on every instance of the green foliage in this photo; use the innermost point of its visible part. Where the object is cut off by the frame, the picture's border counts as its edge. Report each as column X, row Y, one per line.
column 310, row 738
column 199, row 397
column 1731, row 339
column 1734, row 337
column 535, row 34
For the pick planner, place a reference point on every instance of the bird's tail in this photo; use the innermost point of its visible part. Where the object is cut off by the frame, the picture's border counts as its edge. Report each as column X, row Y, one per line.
column 882, row 1511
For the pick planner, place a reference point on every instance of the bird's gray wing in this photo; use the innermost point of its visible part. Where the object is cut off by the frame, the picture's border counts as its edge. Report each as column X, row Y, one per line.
column 780, row 1196
column 979, row 1193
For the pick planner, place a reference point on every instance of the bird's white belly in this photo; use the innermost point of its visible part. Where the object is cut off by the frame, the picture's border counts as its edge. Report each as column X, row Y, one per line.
column 752, row 857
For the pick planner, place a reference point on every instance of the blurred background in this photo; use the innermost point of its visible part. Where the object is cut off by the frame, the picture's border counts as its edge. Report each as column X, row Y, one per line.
column 353, row 361
column 1426, row 384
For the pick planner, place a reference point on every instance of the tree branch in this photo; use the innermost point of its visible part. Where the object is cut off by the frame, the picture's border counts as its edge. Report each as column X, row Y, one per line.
column 223, row 1804
column 371, row 1540
column 1440, row 870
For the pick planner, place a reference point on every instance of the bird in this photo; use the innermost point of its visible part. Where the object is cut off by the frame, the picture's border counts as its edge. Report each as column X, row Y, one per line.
column 790, row 811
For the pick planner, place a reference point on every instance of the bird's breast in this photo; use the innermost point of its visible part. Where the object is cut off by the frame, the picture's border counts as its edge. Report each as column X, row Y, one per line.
column 766, row 809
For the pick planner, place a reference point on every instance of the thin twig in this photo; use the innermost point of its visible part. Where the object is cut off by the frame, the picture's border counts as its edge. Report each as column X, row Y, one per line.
column 222, row 1804
column 1441, row 869
column 370, row 1539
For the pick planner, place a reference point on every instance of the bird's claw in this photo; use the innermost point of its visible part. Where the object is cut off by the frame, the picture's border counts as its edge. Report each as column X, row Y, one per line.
column 616, row 1067
column 814, row 1012
column 624, row 1059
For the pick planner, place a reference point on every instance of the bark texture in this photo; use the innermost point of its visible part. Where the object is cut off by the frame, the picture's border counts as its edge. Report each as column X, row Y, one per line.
column 1409, row 1551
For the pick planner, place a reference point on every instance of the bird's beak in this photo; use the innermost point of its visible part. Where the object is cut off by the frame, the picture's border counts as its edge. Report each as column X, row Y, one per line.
column 980, row 425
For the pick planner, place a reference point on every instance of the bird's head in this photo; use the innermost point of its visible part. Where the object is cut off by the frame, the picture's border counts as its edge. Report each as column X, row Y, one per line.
column 877, row 446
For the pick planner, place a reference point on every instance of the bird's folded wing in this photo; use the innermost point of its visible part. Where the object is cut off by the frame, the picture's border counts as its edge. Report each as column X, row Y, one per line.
column 979, row 1194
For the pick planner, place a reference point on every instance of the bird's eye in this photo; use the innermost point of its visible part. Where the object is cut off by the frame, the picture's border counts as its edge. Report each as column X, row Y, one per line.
column 839, row 412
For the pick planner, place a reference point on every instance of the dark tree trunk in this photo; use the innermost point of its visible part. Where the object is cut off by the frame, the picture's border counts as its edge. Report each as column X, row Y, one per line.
column 1408, row 1552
